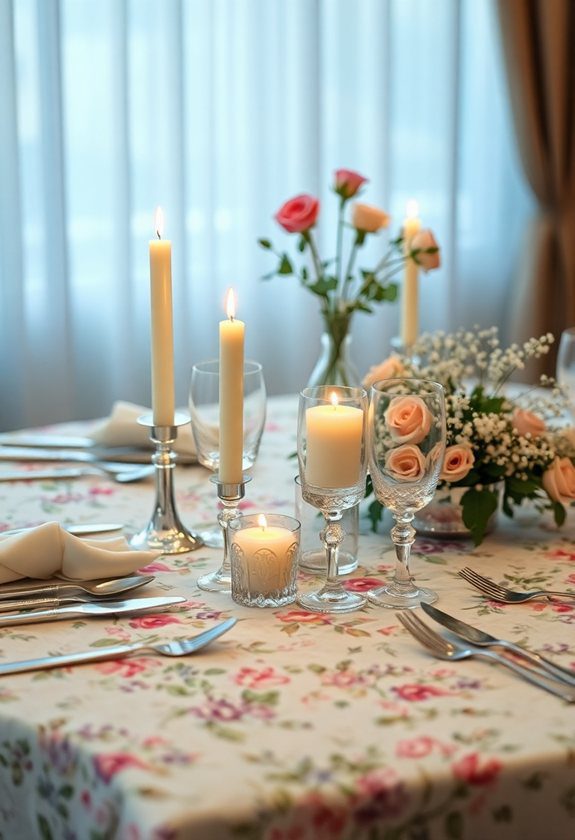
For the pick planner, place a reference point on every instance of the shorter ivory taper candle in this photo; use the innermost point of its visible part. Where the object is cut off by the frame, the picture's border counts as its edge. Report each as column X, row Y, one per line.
column 162, row 339
column 231, row 395
column 410, row 290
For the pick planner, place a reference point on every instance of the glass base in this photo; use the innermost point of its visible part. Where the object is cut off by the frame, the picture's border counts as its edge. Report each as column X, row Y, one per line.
column 176, row 540
column 332, row 602
column 219, row 581
column 211, row 534
column 399, row 598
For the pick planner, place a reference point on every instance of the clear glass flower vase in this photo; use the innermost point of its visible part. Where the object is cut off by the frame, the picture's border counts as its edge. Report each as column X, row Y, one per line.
column 334, row 366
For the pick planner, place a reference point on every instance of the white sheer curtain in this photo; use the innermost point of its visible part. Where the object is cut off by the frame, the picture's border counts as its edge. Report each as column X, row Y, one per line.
column 219, row 110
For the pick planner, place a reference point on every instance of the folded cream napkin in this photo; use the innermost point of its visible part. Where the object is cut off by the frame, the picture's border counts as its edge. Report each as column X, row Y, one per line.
column 48, row 551
column 121, row 428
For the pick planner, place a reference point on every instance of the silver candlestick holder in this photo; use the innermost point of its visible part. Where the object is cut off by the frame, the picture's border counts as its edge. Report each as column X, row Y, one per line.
column 230, row 495
column 165, row 532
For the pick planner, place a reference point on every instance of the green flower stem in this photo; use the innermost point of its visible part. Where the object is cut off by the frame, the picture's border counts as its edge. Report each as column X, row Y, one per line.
column 348, row 272
column 337, row 325
column 314, row 253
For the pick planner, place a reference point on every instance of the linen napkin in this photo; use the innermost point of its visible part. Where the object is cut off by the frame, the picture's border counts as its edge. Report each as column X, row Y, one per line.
column 121, row 428
column 49, row 551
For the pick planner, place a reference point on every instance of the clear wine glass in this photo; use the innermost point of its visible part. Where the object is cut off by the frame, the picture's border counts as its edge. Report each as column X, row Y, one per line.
column 204, row 404
column 332, row 466
column 565, row 371
column 406, row 443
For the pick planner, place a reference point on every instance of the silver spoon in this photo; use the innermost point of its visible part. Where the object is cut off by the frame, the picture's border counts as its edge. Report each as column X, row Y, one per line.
column 67, row 588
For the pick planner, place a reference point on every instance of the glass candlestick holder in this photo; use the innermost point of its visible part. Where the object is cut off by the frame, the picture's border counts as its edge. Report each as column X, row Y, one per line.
column 165, row 531
column 230, row 495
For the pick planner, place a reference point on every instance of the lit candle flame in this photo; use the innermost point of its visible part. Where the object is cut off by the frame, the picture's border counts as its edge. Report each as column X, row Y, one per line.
column 262, row 522
column 333, row 399
column 412, row 209
column 231, row 304
column 159, row 222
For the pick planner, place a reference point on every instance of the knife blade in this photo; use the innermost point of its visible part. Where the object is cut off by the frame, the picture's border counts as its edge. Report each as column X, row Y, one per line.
column 129, row 606
column 479, row 637
column 118, row 454
column 47, row 440
column 78, row 530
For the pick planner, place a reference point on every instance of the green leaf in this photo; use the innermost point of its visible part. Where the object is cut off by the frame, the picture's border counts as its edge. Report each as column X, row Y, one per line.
column 285, row 266
column 375, row 514
column 477, row 506
column 301, row 244
column 559, row 513
column 44, row 826
column 265, row 243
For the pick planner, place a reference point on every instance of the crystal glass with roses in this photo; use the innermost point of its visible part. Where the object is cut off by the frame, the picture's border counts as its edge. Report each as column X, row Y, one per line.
column 406, row 445
column 332, row 460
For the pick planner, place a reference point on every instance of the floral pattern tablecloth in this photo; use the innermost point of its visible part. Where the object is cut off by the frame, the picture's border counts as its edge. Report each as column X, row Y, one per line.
column 293, row 726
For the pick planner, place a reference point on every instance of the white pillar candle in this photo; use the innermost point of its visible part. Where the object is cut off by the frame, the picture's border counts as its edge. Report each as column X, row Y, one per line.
column 231, row 396
column 162, row 338
column 267, row 557
column 334, row 441
column 410, row 291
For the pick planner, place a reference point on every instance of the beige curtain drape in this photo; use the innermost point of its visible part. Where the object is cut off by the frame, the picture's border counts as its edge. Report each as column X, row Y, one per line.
column 539, row 49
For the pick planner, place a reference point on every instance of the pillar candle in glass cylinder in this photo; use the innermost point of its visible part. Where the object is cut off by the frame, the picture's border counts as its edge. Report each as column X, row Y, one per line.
column 231, row 395
column 334, row 441
column 162, row 338
column 410, row 289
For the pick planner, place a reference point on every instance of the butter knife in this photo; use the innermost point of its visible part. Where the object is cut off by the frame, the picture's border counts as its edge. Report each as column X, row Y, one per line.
column 118, row 454
column 481, row 639
column 129, row 606
column 27, row 597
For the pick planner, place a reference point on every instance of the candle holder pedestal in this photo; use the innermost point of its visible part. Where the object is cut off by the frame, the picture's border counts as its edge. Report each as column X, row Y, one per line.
column 230, row 495
column 165, row 532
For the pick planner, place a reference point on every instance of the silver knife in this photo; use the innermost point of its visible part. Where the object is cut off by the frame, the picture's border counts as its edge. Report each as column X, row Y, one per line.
column 131, row 605
column 48, row 440
column 78, row 530
column 118, row 651
column 118, row 454
column 482, row 639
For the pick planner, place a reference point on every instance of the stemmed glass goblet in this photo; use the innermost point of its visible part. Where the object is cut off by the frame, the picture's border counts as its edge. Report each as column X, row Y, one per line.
column 204, row 404
column 332, row 466
column 406, row 442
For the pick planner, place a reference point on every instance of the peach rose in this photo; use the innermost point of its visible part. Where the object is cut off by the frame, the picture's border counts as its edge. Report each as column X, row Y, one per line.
column 347, row 182
column 457, row 462
column 390, row 368
column 405, row 463
column 408, row 419
column 298, row 214
column 368, row 218
column 527, row 423
column 428, row 255
column 559, row 480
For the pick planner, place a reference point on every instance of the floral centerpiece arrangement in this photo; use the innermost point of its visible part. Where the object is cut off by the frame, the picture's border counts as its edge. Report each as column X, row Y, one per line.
column 500, row 438
column 341, row 288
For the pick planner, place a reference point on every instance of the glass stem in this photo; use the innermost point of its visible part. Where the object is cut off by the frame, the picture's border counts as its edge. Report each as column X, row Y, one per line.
column 403, row 536
column 225, row 516
column 332, row 537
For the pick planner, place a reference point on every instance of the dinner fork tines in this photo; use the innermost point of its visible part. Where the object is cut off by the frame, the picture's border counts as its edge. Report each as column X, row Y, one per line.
column 454, row 651
column 174, row 648
column 507, row 596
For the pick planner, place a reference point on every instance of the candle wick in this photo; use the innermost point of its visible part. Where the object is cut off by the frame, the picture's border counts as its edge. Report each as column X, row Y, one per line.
column 158, row 234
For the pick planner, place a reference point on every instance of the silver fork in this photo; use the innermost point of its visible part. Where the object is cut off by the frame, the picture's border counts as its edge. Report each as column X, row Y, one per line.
column 454, row 651
column 508, row 596
column 175, row 648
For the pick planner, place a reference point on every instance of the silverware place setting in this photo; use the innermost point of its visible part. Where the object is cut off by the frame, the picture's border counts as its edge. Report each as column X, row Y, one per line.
column 481, row 639
column 182, row 647
column 93, row 609
column 508, row 596
column 18, row 596
column 453, row 650
column 80, row 529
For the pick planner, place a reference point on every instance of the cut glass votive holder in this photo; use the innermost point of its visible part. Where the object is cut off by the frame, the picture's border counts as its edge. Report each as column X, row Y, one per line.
column 264, row 559
column 312, row 551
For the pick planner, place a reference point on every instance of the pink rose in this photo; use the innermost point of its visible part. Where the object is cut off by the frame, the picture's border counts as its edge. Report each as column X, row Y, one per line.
column 408, row 419
column 475, row 770
column 368, row 218
column 390, row 368
column 559, row 480
column 348, row 182
column 405, row 463
column 457, row 462
column 298, row 214
column 427, row 250
column 527, row 423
